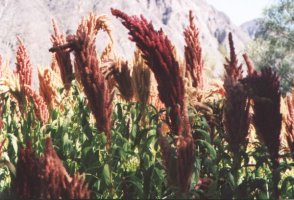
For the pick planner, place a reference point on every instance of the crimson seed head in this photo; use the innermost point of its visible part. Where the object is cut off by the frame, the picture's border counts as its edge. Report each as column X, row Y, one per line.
column 87, row 65
column 232, row 68
column 23, row 65
column 159, row 55
column 236, row 105
column 158, row 52
column 45, row 177
column 264, row 90
column 62, row 56
column 193, row 53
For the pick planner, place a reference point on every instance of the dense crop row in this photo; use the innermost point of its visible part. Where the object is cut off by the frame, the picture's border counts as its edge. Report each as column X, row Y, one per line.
column 153, row 127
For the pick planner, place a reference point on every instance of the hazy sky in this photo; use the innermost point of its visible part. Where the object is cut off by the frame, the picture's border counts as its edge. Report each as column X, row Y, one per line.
column 241, row 11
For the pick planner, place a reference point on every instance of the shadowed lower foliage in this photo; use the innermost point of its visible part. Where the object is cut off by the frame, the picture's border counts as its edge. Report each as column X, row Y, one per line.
column 45, row 177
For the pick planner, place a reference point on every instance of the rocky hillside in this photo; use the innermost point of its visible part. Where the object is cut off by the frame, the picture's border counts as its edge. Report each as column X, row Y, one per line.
column 32, row 21
column 251, row 27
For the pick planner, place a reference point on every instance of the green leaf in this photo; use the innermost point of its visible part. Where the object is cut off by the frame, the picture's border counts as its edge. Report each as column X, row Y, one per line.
column 147, row 181
column 13, row 141
column 208, row 146
column 106, row 174
column 288, row 183
column 134, row 130
column 203, row 134
column 197, row 168
column 9, row 165
column 119, row 111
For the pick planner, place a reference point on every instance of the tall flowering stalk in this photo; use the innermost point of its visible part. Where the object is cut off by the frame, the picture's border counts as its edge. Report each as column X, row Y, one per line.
column 23, row 65
column 193, row 53
column 45, row 177
column 236, row 109
column 264, row 90
column 236, row 105
column 87, row 65
column 62, row 56
column 23, row 74
column 159, row 55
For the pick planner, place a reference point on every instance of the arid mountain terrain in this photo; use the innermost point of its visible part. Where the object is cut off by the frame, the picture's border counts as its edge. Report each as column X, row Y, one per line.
column 31, row 20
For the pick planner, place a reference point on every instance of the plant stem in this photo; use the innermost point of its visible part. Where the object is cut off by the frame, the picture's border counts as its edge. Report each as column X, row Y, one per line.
column 276, row 179
column 236, row 166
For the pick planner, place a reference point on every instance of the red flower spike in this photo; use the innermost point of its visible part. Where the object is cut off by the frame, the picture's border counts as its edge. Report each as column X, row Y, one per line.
column 23, row 65
column 236, row 105
column 62, row 56
column 159, row 55
column 193, row 53
column 264, row 89
column 45, row 177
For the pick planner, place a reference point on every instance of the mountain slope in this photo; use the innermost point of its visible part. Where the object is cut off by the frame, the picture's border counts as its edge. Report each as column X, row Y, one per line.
column 32, row 21
column 251, row 27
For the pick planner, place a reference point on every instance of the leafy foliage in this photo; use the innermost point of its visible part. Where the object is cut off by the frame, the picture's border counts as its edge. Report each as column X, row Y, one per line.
column 274, row 43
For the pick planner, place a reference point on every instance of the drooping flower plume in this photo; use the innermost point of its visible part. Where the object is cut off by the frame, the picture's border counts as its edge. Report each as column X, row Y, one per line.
column 62, row 56
column 160, row 57
column 87, row 65
column 264, row 89
column 158, row 53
